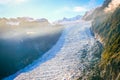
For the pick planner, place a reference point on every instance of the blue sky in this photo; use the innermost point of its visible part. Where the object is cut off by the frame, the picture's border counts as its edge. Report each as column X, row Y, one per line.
column 50, row 9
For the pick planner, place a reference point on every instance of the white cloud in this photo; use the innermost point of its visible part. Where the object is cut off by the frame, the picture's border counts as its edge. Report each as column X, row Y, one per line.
column 90, row 5
column 112, row 6
column 69, row 9
column 12, row 1
column 20, row 1
column 79, row 9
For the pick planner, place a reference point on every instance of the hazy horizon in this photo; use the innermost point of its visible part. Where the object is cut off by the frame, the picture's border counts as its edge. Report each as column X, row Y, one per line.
column 49, row 9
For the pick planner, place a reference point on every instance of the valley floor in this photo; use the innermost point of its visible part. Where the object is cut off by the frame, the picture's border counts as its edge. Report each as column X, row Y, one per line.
column 69, row 59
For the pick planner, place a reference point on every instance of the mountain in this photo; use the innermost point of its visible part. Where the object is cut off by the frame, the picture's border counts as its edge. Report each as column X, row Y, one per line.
column 106, row 3
column 22, row 20
column 68, row 20
column 106, row 26
column 90, row 15
column 107, row 7
column 24, row 26
column 23, row 40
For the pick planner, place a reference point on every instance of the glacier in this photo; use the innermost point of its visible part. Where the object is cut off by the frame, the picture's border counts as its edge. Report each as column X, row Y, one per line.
column 72, row 56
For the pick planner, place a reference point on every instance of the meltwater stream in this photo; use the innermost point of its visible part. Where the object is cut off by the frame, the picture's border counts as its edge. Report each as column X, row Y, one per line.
column 73, row 54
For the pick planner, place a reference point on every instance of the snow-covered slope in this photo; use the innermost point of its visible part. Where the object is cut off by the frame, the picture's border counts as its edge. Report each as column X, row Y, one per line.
column 69, row 59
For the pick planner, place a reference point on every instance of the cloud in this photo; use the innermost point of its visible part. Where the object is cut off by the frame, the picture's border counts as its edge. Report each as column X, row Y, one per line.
column 79, row 9
column 112, row 6
column 71, row 9
column 4, row 2
column 90, row 5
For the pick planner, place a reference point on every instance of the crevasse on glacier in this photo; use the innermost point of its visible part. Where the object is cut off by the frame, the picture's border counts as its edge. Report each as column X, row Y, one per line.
column 69, row 59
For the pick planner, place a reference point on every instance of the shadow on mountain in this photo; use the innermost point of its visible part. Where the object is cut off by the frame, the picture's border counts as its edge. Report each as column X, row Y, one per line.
column 16, row 54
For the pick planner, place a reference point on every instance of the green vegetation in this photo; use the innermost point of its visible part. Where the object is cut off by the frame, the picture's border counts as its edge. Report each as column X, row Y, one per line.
column 108, row 27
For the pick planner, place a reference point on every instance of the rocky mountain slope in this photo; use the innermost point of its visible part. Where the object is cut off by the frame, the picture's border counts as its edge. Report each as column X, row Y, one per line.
column 106, row 25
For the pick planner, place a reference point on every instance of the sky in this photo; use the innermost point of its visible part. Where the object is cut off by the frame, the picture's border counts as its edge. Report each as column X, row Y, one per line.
column 49, row 9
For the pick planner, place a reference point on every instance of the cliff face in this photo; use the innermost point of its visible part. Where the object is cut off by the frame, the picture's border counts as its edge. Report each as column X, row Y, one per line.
column 106, row 24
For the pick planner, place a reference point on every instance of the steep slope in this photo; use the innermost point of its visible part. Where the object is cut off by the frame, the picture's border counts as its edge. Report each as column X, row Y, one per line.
column 109, row 30
column 106, row 26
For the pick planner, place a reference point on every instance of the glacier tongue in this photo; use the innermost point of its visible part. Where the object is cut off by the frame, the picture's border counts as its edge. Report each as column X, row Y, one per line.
column 73, row 54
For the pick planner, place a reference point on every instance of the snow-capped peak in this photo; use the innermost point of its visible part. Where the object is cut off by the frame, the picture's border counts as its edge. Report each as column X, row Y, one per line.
column 68, row 20
column 42, row 20
column 78, row 17
column 13, row 23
